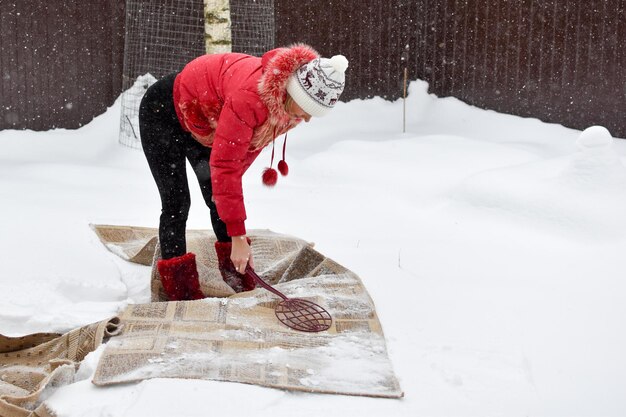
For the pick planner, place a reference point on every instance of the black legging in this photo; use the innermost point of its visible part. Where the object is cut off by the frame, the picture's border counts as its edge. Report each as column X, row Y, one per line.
column 166, row 145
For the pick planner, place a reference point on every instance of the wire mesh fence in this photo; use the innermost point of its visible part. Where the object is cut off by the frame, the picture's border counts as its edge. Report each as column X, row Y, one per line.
column 161, row 37
column 253, row 26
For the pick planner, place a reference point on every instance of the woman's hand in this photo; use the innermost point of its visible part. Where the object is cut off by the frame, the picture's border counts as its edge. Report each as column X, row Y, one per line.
column 241, row 254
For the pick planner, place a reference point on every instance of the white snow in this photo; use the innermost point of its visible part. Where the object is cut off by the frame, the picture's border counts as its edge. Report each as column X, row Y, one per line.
column 492, row 245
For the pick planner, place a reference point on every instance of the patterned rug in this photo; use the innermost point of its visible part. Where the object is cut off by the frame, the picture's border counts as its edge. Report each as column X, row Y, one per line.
column 33, row 366
column 237, row 337
column 225, row 337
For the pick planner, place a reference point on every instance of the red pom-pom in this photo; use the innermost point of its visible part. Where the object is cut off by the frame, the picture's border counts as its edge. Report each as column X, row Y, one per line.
column 283, row 168
column 270, row 176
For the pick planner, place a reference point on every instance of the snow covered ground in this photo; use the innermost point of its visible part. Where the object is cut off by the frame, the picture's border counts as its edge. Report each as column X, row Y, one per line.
column 492, row 245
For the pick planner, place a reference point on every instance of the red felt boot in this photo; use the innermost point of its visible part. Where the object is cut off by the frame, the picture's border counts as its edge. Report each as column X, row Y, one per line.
column 179, row 277
column 234, row 279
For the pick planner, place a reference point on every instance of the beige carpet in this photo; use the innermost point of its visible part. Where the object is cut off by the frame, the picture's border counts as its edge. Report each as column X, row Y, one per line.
column 239, row 338
column 226, row 337
column 33, row 366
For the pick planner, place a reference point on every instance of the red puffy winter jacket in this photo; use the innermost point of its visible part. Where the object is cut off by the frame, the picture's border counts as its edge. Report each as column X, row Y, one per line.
column 234, row 103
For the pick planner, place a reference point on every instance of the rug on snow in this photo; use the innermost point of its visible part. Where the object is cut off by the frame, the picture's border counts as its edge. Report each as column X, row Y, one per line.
column 237, row 337
column 33, row 366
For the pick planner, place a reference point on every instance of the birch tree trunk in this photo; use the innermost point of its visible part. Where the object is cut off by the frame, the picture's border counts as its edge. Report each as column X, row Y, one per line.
column 217, row 31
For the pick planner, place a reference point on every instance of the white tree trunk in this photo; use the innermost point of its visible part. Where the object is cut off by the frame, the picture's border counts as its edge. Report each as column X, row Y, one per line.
column 217, row 26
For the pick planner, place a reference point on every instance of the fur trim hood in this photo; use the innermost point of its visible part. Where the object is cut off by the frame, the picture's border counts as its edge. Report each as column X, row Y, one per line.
column 278, row 65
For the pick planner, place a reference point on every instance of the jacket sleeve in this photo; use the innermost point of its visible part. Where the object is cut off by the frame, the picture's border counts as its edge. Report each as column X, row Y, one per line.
column 229, row 157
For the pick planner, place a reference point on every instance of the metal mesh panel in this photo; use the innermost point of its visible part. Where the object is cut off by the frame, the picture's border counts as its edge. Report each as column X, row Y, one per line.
column 253, row 27
column 161, row 37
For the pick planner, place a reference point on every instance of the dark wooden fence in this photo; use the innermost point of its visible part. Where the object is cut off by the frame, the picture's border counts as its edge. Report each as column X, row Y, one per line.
column 60, row 61
column 561, row 61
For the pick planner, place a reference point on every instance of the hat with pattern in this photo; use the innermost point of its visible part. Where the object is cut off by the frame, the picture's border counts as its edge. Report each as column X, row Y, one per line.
column 317, row 85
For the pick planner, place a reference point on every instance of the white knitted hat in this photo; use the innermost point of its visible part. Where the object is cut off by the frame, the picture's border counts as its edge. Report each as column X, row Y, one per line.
column 317, row 85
